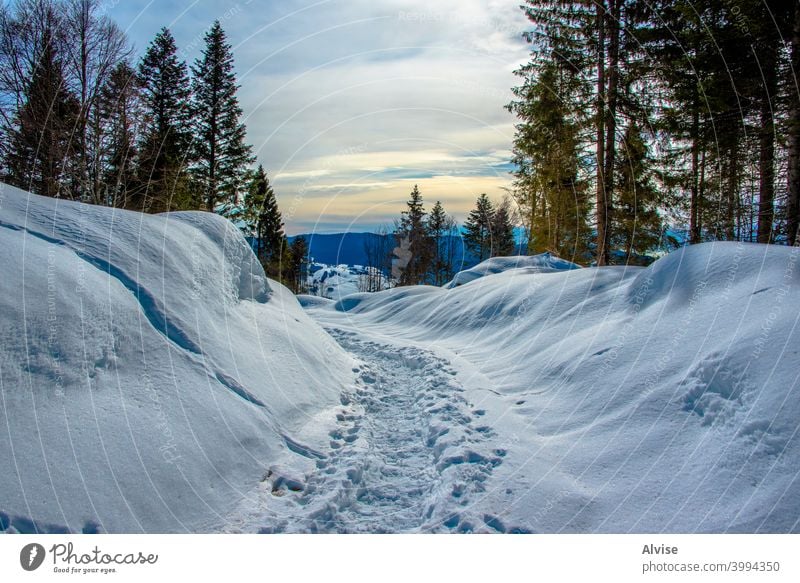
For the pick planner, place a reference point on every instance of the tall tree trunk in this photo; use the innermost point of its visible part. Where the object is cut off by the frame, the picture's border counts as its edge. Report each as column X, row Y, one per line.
column 701, row 195
column 766, row 161
column 732, row 191
column 694, row 204
column 614, row 25
column 602, row 217
column 793, row 204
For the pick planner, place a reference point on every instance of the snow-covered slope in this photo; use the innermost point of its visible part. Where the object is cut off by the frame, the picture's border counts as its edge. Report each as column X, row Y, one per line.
column 614, row 399
column 150, row 375
column 542, row 263
column 152, row 379
column 337, row 281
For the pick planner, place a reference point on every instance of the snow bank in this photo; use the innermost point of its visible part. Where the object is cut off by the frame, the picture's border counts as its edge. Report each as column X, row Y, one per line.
column 649, row 399
column 542, row 263
column 337, row 281
column 150, row 374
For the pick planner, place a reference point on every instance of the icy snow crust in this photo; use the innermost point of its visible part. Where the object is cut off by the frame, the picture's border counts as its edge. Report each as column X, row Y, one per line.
column 615, row 399
column 150, row 374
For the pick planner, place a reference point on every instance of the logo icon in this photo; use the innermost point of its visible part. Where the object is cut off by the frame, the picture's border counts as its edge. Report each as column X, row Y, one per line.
column 31, row 556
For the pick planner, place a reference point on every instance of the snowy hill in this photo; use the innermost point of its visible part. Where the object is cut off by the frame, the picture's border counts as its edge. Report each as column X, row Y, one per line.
column 151, row 375
column 640, row 399
column 337, row 281
column 152, row 379
column 542, row 263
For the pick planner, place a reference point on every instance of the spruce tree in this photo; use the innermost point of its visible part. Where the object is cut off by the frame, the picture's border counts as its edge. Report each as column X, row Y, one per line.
column 549, row 187
column 502, row 231
column 221, row 155
column 42, row 146
column 637, row 222
column 162, row 178
column 298, row 262
column 478, row 228
column 264, row 224
column 413, row 241
column 793, row 133
column 440, row 228
column 118, row 106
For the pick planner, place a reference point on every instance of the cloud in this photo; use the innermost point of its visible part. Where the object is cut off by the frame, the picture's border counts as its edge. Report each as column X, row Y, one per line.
column 348, row 103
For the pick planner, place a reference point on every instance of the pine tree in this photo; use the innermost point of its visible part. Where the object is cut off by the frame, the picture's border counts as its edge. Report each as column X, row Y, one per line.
column 793, row 131
column 298, row 252
column 94, row 45
column 412, row 238
column 548, row 186
column 41, row 148
column 118, row 106
column 440, row 227
column 220, row 151
column 637, row 222
column 478, row 228
column 163, row 182
column 263, row 223
column 502, row 231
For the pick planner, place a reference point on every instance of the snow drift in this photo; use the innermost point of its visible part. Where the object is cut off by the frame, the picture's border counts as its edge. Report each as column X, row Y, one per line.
column 150, row 374
column 542, row 263
column 624, row 399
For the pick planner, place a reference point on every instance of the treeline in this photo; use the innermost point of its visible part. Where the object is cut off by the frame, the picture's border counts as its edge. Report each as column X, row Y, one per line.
column 262, row 224
column 423, row 247
column 635, row 116
column 80, row 120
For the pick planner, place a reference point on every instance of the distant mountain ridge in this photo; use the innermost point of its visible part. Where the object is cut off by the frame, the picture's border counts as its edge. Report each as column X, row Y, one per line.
column 350, row 248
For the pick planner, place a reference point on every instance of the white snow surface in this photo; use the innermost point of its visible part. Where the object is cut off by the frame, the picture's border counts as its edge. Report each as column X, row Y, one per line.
column 150, row 375
column 541, row 263
column 153, row 380
column 659, row 399
column 337, row 281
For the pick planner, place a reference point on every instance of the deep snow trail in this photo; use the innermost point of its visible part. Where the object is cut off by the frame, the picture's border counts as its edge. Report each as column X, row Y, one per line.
column 409, row 454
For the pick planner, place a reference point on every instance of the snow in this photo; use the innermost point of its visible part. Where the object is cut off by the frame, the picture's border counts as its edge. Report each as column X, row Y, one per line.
column 542, row 263
column 624, row 399
column 150, row 374
column 337, row 281
column 154, row 380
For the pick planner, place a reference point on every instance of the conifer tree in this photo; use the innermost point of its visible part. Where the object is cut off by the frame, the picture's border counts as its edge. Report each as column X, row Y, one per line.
column 221, row 155
column 478, row 228
column 41, row 148
column 412, row 238
column 163, row 181
column 118, row 110
column 298, row 252
column 637, row 222
column 502, row 230
column 264, row 224
column 793, row 132
column 441, row 227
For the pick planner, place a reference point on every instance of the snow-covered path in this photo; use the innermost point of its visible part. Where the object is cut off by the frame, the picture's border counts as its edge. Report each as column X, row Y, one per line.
column 409, row 454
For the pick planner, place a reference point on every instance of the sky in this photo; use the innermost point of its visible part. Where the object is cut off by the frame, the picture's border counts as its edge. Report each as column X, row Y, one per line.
column 349, row 103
